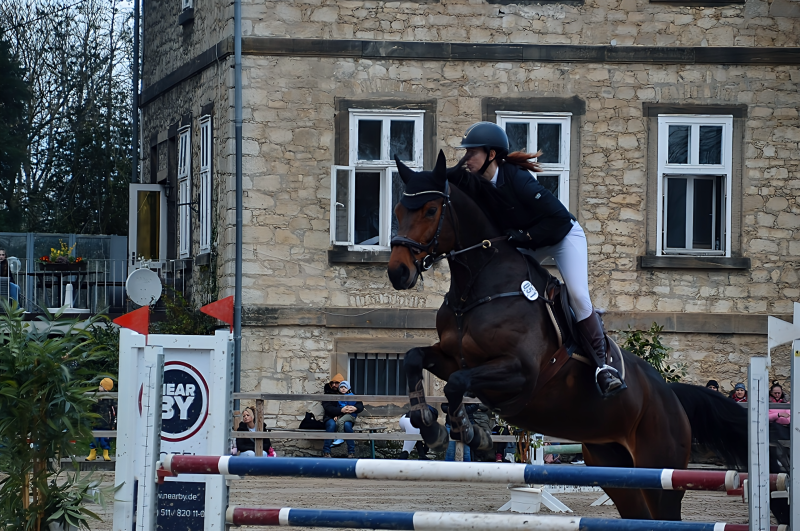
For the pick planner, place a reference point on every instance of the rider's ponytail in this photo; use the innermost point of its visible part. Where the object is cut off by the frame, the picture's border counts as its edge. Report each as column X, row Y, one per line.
column 522, row 159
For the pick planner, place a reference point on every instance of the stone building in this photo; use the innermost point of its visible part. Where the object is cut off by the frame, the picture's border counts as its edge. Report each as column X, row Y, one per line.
column 670, row 130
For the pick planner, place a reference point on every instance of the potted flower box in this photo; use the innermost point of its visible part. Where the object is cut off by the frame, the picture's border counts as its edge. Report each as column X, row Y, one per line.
column 69, row 266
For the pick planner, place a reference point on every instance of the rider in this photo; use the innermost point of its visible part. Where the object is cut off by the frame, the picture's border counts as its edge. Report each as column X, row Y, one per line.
column 535, row 219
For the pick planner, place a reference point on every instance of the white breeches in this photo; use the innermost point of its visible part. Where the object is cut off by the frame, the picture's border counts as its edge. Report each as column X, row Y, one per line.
column 572, row 260
column 405, row 424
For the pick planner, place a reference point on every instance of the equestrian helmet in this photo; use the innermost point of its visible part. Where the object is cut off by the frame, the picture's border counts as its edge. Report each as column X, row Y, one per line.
column 486, row 135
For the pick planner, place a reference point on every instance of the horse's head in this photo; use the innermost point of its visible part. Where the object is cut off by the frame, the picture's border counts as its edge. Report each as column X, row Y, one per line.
column 420, row 215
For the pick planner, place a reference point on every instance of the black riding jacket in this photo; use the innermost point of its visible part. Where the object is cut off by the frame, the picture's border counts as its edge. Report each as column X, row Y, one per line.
column 519, row 202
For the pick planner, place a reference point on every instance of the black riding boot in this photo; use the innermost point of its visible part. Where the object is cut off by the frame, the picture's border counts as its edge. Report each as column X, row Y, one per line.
column 608, row 379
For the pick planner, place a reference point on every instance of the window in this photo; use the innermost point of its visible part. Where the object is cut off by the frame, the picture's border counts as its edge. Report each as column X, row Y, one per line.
column 365, row 192
column 184, row 191
column 545, row 132
column 695, row 156
column 186, row 4
column 147, row 222
column 205, row 184
column 377, row 374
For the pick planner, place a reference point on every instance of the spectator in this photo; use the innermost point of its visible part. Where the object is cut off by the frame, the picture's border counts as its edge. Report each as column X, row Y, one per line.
column 342, row 413
column 246, row 447
column 422, row 448
column 713, row 385
column 332, row 388
column 776, row 394
column 13, row 289
column 107, row 409
column 739, row 393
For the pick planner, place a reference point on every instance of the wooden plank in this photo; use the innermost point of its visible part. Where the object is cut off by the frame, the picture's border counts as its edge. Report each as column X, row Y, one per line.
column 282, row 433
column 259, row 427
column 335, row 398
column 321, row 435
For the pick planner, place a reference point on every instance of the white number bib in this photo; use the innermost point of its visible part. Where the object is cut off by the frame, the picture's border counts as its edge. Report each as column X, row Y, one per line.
column 529, row 291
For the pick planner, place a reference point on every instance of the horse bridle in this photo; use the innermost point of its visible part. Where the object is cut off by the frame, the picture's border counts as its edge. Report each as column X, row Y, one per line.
column 431, row 248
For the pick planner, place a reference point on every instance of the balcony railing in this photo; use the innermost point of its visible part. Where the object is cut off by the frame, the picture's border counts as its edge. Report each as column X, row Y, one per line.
column 98, row 287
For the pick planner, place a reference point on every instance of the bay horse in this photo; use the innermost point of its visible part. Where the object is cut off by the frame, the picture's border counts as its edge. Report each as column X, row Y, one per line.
column 496, row 343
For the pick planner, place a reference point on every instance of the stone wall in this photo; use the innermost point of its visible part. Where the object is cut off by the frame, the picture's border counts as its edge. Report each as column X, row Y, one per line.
column 621, row 22
column 167, row 45
column 289, row 147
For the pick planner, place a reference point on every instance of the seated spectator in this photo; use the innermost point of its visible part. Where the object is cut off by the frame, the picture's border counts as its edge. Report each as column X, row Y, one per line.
column 341, row 414
column 246, row 447
column 13, row 289
column 739, row 393
column 776, row 394
column 422, row 448
column 332, row 387
column 713, row 385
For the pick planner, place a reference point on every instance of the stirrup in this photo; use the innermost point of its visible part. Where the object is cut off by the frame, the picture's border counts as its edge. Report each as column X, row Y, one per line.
column 616, row 373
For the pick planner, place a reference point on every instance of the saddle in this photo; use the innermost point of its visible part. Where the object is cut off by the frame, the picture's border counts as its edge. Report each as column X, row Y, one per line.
column 564, row 323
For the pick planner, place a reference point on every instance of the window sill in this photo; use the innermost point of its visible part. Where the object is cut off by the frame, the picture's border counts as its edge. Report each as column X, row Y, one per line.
column 699, row 3
column 693, row 262
column 345, row 256
column 186, row 16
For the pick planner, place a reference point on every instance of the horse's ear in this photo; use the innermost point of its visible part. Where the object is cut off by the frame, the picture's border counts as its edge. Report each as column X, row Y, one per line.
column 405, row 172
column 440, row 170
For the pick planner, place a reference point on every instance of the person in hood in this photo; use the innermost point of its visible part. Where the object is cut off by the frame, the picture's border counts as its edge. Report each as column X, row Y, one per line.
column 341, row 413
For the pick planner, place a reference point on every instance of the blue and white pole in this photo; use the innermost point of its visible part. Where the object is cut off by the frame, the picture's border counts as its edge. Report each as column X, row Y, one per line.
column 605, row 477
column 434, row 521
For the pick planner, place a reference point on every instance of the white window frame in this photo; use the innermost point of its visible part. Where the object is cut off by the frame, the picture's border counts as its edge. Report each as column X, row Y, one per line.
column 205, row 183
column 184, row 191
column 186, row 4
column 560, row 169
column 385, row 167
column 133, row 224
column 692, row 170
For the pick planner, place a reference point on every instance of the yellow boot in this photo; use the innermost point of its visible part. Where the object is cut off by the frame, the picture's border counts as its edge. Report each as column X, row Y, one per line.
column 106, row 457
column 92, row 455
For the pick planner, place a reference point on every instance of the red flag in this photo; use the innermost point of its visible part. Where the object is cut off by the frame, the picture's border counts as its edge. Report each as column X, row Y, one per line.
column 222, row 310
column 137, row 320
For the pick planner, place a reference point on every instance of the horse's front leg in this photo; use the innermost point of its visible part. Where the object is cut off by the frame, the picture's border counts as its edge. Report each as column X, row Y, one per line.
column 504, row 375
column 422, row 418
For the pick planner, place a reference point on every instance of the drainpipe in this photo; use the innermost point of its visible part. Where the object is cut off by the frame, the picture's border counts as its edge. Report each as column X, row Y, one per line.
column 237, row 305
column 135, row 97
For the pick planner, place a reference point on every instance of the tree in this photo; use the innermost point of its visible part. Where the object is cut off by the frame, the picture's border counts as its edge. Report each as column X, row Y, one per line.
column 14, row 98
column 76, row 60
column 648, row 346
column 46, row 372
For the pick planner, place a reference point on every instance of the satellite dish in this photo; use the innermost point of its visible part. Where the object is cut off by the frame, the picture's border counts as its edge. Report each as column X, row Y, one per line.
column 14, row 265
column 144, row 287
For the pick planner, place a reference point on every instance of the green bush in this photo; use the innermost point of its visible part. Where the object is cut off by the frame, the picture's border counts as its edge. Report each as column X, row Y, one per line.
column 648, row 346
column 46, row 371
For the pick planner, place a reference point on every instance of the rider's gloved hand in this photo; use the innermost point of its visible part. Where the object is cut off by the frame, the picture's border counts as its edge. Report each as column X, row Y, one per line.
column 520, row 237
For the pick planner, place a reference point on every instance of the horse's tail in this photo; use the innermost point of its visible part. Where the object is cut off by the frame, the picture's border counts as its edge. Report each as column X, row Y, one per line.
column 717, row 422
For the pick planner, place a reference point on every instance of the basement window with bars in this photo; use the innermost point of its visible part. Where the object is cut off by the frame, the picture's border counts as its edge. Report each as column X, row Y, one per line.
column 694, row 185
column 365, row 192
column 377, row 374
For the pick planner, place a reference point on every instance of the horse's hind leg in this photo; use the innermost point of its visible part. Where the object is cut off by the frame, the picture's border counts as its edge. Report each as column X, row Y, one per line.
column 433, row 433
column 663, row 441
column 630, row 503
